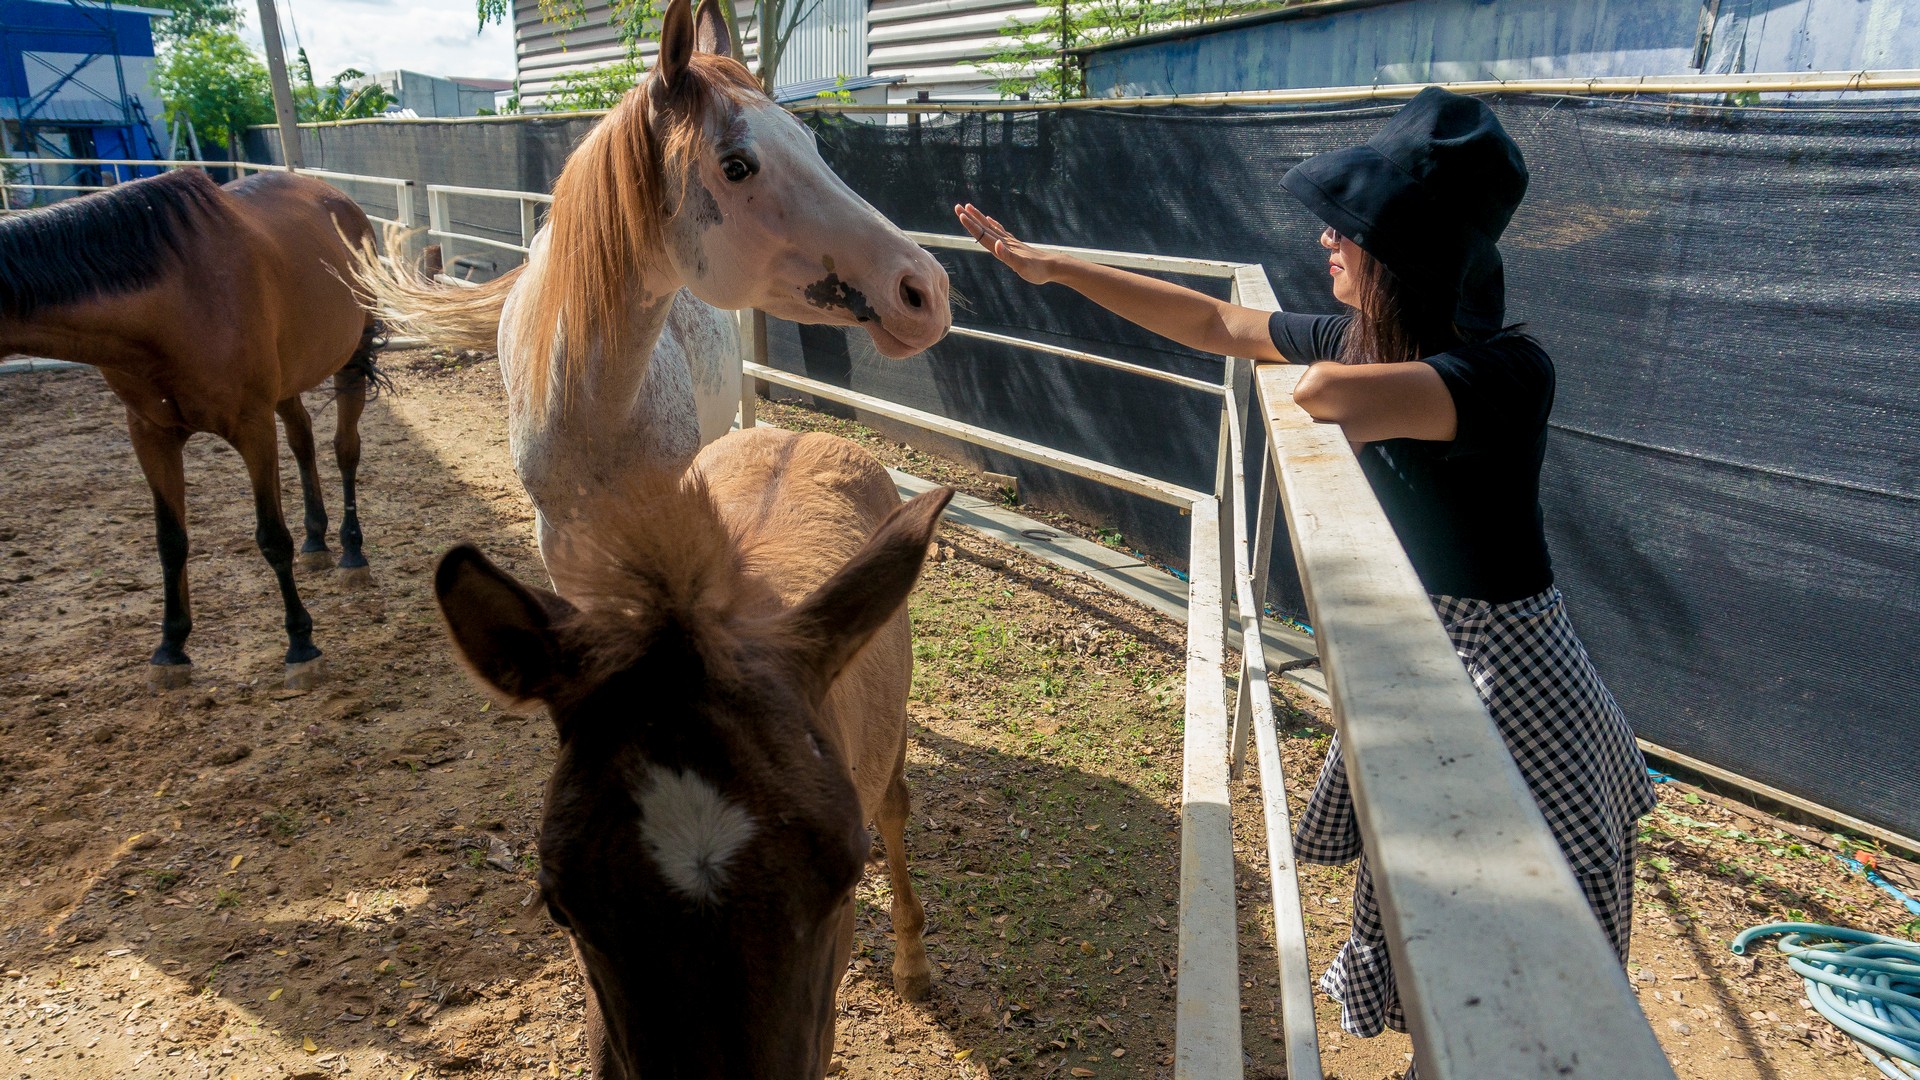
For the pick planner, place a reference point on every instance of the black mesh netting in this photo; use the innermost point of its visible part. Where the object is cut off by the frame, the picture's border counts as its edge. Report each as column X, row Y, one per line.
column 1730, row 298
column 1729, row 294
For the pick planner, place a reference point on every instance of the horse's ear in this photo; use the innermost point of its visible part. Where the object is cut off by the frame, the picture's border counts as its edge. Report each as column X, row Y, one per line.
column 710, row 29
column 833, row 623
column 503, row 630
column 676, row 43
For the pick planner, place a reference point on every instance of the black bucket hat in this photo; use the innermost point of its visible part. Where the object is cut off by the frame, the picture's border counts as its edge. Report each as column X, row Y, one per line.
column 1428, row 196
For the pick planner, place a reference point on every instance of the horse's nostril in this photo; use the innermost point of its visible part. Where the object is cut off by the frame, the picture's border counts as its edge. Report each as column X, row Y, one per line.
column 914, row 297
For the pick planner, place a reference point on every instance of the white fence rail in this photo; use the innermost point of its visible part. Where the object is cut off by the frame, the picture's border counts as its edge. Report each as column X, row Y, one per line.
column 1503, row 969
column 401, row 189
column 440, row 218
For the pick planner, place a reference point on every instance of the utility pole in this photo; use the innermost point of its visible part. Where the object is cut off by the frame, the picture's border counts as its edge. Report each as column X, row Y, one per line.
column 282, row 90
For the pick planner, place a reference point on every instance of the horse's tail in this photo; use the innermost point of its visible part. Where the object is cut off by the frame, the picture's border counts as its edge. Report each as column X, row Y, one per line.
column 363, row 361
column 451, row 316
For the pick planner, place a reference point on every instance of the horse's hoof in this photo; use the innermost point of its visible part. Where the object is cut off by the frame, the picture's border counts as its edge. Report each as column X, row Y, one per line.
column 316, row 560
column 913, row 987
column 168, row 676
column 307, row 674
column 355, row 577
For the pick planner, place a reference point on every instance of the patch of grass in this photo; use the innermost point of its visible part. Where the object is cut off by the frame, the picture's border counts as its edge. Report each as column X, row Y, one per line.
column 284, row 824
column 165, row 879
column 224, row 897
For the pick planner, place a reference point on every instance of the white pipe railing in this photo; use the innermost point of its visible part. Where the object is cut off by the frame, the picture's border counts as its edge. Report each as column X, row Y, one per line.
column 1501, row 966
column 1207, row 1038
column 402, row 189
column 440, row 218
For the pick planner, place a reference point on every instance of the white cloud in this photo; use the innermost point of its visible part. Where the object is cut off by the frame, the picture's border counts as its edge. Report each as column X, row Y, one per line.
column 435, row 37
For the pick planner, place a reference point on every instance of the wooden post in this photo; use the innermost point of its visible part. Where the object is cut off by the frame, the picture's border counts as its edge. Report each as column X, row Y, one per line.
column 282, row 90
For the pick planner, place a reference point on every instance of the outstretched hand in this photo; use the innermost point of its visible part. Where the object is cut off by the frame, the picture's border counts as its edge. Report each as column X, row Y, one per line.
column 1033, row 266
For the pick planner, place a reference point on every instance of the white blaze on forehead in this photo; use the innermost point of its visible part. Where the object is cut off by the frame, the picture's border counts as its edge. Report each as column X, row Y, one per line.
column 691, row 830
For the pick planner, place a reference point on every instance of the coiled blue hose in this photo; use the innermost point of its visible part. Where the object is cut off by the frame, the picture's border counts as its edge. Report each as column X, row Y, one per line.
column 1868, row 985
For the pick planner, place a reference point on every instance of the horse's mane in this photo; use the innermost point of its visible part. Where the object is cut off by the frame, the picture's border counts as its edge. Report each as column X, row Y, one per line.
column 648, row 552
column 605, row 225
column 118, row 241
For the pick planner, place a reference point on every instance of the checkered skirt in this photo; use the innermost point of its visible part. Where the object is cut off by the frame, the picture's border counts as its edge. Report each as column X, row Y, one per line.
column 1574, row 748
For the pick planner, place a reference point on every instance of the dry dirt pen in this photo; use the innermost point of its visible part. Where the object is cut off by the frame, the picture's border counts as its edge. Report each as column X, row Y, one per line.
column 240, row 881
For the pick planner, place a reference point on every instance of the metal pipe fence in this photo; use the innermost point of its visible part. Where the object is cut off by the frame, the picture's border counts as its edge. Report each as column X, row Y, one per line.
column 401, row 189
column 1503, row 970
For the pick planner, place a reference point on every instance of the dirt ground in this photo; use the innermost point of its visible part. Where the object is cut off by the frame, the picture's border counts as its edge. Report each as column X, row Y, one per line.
column 235, row 880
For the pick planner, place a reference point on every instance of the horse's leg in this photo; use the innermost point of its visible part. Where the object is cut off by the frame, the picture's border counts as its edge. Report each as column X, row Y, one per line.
column 313, row 553
column 912, row 975
column 350, row 399
column 259, row 448
column 159, row 451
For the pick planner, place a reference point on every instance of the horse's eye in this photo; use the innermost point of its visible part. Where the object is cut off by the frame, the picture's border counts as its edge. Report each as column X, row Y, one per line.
column 738, row 167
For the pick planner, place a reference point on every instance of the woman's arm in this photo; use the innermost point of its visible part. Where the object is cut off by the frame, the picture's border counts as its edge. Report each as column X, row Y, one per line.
column 1369, row 401
column 1372, row 402
column 1193, row 319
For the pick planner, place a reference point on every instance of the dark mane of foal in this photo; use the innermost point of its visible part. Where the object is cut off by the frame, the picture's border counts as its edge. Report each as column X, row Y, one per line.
column 121, row 240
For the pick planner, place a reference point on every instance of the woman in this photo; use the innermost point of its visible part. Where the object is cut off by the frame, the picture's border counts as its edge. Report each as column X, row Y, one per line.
column 1448, row 408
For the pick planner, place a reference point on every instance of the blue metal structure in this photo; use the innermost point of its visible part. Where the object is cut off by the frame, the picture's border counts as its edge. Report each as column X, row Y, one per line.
column 74, row 82
column 1368, row 42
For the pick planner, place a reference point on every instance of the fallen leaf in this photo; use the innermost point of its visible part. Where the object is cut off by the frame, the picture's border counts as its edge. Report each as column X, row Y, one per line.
column 235, row 864
column 277, row 991
column 1081, row 1072
column 308, row 1046
column 963, row 1055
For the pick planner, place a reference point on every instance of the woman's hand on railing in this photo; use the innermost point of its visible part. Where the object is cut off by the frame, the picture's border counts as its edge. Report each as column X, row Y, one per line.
column 1034, row 267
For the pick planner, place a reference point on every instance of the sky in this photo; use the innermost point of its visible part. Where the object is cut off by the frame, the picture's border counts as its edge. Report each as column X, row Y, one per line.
column 435, row 37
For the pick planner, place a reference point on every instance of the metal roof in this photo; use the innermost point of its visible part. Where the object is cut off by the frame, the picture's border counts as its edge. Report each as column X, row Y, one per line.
column 807, row 91
column 68, row 110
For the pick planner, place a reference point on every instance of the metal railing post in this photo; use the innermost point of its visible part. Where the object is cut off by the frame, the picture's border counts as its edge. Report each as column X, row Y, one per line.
column 753, row 336
column 529, row 221
column 437, row 223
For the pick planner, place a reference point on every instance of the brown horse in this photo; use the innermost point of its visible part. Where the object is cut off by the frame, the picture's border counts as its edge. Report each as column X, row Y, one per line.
column 208, row 308
column 729, row 674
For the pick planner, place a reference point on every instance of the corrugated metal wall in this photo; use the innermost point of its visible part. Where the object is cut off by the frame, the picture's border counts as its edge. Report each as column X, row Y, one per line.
column 1361, row 44
column 831, row 42
column 937, row 45
column 545, row 52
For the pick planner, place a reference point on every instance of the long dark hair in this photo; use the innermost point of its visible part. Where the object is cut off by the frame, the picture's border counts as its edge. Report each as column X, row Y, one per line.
column 1393, row 322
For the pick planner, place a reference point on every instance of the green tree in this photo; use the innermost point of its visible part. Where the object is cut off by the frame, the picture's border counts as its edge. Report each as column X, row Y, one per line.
column 333, row 100
column 1035, row 61
column 597, row 88
column 190, row 17
column 213, row 79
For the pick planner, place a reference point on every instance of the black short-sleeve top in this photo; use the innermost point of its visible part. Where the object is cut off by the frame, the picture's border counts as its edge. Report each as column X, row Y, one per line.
column 1467, row 511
